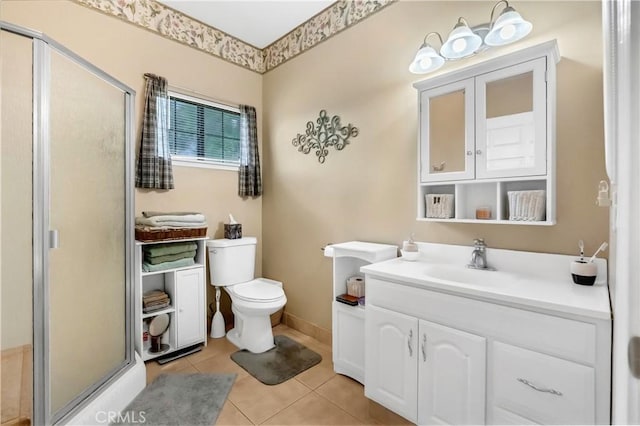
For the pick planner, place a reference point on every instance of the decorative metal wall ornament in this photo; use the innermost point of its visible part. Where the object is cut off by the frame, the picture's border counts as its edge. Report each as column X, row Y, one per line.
column 328, row 132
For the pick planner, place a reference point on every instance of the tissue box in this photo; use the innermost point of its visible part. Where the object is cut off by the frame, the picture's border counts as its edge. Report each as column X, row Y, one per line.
column 232, row 231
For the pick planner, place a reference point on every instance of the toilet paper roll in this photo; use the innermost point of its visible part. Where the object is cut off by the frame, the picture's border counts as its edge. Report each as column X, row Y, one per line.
column 355, row 286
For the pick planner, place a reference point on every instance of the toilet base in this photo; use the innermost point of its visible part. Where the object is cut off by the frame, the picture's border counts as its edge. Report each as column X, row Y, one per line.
column 252, row 333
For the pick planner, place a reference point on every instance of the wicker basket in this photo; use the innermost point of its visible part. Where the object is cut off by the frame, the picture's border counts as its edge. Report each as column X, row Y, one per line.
column 146, row 234
column 439, row 206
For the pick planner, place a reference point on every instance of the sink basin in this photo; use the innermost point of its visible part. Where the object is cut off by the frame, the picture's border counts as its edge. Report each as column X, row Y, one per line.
column 464, row 275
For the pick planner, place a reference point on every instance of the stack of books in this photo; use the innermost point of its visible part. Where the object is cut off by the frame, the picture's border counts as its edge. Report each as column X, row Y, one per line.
column 348, row 299
column 155, row 300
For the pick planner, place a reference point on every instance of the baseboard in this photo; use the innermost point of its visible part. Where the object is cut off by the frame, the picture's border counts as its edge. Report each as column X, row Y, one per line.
column 310, row 329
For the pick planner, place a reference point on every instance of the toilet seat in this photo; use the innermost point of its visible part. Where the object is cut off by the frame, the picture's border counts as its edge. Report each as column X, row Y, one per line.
column 258, row 291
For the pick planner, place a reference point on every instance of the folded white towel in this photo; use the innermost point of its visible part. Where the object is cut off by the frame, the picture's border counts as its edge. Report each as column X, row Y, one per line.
column 168, row 220
column 172, row 225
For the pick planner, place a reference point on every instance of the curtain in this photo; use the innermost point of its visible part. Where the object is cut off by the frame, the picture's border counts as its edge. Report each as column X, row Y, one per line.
column 154, row 160
column 249, row 181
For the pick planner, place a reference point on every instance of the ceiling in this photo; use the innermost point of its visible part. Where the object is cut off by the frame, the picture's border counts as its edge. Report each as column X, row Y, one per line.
column 258, row 23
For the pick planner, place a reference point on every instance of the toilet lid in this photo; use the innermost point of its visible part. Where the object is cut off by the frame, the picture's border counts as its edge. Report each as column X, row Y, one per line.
column 258, row 291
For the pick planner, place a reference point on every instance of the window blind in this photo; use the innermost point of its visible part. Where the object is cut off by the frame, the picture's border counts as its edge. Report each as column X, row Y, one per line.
column 202, row 131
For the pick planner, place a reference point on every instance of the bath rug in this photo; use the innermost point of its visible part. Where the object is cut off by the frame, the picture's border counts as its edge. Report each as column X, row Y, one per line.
column 179, row 399
column 288, row 359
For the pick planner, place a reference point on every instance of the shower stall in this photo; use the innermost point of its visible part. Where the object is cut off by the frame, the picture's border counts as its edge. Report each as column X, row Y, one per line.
column 66, row 228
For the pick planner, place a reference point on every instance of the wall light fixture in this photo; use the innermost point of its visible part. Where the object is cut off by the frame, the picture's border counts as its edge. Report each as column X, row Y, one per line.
column 465, row 41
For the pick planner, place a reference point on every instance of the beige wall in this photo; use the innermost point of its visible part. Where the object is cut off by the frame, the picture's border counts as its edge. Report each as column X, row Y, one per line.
column 368, row 190
column 127, row 52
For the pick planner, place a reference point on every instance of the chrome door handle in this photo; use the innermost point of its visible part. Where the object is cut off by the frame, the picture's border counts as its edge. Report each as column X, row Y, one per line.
column 424, row 347
column 539, row 389
column 54, row 239
column 410, row 343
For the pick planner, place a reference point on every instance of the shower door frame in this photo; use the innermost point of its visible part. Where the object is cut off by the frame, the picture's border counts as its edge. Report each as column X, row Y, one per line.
column 43, row 240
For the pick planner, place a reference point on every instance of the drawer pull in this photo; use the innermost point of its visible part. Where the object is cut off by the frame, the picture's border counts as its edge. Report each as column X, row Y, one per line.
column 410, row 343
column 532, row 386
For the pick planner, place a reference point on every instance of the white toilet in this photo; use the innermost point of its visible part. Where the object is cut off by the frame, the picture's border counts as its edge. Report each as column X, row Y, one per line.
column 231, row 265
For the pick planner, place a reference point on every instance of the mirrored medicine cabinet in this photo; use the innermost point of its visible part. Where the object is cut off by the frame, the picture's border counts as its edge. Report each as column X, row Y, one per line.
column 486, row 141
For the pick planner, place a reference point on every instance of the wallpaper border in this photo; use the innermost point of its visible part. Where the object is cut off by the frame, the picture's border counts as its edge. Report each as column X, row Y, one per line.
column 179, row 27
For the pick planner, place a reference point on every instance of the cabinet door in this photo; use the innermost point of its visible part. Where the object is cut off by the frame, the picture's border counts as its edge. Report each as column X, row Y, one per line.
column 391, row 367
column 190, row 319
column 447, row 132
column 511, row 117
column 451, row 382
column 348, row 340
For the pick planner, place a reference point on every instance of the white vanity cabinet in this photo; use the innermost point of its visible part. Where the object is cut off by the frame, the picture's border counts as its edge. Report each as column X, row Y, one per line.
column 426, row 372
column 348, row 321
column 442, row 354
column 186, row 288
column 487, row 130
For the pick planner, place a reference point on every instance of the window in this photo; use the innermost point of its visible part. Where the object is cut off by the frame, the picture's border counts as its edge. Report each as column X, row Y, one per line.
column 203, row 132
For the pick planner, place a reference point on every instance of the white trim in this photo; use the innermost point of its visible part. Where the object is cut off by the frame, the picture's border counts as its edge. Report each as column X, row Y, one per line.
column 621, row 36
column 203, row 164
column 202, row 99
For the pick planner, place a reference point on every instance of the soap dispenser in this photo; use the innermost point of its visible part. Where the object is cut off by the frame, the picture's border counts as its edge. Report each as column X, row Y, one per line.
column 410, row 250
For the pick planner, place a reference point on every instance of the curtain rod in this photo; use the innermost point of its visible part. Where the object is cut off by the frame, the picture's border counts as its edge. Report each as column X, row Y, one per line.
column 205, row 96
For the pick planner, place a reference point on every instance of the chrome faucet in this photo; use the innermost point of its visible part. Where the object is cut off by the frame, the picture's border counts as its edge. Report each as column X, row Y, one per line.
column 479, row 256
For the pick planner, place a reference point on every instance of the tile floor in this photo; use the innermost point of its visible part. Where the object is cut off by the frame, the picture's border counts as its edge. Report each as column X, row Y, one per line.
column 317, row 396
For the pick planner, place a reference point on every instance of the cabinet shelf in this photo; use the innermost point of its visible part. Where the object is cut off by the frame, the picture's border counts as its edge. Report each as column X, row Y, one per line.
column 166, row 310
column 164, row 271
column 147, row 354
column 470, row 195
column 491, row 221
column 356, row 309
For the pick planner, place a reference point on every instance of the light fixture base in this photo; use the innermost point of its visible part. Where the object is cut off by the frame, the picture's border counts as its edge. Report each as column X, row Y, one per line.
column 481, row 30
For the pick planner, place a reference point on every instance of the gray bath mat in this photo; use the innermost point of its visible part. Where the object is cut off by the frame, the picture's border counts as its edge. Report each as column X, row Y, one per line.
column 288, row 359
column 179, row 399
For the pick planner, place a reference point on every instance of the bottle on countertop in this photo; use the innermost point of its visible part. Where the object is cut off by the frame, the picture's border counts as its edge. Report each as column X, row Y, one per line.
column 410, row 246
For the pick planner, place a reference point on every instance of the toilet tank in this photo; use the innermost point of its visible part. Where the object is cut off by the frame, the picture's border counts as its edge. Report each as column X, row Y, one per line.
column 231, row 261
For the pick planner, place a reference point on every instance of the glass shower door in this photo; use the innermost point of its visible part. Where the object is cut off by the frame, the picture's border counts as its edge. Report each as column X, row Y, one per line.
column 87, row 215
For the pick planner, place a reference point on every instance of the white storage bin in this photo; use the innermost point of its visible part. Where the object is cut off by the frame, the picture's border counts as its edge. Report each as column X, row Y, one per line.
column 439, row 205
column 527, row 205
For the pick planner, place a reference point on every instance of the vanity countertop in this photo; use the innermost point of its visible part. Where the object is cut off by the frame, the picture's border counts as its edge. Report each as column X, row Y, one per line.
column 523, row 279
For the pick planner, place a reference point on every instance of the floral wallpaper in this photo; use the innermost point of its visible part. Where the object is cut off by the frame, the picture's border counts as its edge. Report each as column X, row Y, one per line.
column 176, row 26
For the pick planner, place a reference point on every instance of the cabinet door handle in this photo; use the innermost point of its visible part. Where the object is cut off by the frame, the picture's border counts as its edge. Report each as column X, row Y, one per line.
column 469, row 152
column 539, row 389
column 479, row 151
column 424, row 347
column 410, row 343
